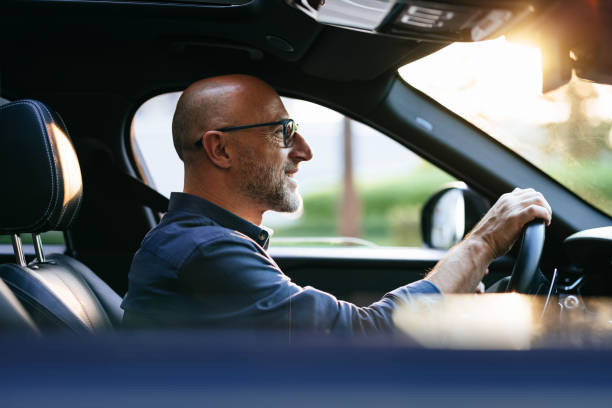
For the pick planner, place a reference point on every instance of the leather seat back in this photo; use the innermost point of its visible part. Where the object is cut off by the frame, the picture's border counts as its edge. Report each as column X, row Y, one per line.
column 44, row 193
column 12, row 314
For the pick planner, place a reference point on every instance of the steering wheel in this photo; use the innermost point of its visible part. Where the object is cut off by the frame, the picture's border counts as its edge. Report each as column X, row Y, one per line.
column 528, row 258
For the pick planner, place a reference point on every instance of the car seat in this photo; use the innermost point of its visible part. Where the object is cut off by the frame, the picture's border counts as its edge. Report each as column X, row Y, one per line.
column 13, row 316
column 41, row 191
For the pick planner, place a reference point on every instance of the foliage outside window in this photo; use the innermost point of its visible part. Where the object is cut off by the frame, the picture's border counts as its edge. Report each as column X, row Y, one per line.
column 496, row 85
column 48, row 238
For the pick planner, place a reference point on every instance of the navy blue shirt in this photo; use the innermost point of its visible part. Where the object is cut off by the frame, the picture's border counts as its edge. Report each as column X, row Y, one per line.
column 204, row 266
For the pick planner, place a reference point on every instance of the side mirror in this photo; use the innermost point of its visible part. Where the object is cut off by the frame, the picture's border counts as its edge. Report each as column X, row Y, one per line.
column 450, row 214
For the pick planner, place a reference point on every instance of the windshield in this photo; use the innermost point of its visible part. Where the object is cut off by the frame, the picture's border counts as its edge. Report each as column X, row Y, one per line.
column 497, row 86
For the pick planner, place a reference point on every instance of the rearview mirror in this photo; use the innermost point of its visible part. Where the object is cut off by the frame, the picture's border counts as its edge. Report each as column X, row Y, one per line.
column 450, row 214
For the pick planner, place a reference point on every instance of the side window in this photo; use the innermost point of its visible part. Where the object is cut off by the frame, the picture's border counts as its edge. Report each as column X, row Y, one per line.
column 361, row 187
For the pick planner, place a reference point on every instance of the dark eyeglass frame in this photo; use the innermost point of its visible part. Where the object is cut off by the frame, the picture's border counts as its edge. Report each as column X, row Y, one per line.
column 289, row 130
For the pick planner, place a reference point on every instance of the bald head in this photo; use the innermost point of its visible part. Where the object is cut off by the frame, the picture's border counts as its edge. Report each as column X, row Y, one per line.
column 213, row 103
column 248, row 170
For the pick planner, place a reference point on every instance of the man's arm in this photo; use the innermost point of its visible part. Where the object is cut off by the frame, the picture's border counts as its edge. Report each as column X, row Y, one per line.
column 234, row 283
column 466, row 264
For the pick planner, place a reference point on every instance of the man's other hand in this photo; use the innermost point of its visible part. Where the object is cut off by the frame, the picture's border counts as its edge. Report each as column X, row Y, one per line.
column 464, row 265
column 502, row 224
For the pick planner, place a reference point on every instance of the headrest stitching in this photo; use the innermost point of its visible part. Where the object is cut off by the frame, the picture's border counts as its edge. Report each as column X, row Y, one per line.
column 78, row 203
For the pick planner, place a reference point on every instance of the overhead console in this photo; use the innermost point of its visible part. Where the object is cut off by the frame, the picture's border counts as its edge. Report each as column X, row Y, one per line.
column 445, row 21
column 572, row 34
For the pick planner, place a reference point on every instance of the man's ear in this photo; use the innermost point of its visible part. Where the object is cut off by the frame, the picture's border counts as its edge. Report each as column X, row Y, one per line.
column 215, row 146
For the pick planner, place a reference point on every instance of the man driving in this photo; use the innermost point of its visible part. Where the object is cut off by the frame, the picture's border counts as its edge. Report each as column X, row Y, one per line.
column 206, row 263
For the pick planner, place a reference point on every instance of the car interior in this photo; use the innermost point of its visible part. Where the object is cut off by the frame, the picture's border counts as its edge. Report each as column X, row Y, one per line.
column 75, row 204
column 95, row 62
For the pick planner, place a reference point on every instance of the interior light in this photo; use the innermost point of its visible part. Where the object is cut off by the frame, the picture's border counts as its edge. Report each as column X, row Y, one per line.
column 452, row 22
column 442, row 21
column 360, row 14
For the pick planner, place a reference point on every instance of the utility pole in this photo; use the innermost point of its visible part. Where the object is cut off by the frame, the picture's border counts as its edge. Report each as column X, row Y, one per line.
column 349, row 210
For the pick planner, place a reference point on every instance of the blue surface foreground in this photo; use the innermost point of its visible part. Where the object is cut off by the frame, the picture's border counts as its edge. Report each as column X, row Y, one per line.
column 238, row 369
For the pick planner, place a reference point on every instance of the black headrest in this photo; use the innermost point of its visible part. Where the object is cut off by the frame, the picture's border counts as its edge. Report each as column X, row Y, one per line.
column 40, row 177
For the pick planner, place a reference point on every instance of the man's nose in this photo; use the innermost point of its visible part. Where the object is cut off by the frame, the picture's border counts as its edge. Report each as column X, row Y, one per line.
column 300, row 150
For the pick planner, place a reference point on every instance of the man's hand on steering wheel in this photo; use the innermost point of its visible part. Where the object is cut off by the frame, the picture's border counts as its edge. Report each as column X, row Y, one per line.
column 502, row 224
column 465, row 265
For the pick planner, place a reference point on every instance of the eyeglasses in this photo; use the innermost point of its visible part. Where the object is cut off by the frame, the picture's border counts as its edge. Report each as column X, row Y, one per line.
column 289, row 129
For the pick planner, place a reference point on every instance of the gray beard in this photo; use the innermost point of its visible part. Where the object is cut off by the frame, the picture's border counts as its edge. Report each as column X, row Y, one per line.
column 268, row 187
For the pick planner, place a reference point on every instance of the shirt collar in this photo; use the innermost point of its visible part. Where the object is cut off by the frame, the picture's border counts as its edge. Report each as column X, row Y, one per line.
column 184, row 202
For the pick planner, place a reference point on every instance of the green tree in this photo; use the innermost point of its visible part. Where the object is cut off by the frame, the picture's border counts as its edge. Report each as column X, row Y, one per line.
column 579, row 137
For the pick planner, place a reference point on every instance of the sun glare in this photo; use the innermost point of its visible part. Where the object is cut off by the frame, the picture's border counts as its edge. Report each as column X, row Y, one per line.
column 495, row 78
column 494, row 321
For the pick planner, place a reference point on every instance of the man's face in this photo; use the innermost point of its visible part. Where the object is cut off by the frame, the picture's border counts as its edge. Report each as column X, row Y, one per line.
column 267, row 168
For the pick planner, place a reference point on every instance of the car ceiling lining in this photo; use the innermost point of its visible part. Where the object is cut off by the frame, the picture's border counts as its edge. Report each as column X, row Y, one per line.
column 143, row 37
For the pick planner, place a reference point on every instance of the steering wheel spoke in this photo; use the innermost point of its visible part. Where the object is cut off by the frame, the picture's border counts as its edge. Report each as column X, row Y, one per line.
column 528, row 258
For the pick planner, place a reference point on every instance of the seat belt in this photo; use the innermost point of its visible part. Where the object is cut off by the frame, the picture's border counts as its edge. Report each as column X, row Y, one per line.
column 141, row 193
column 108, row 178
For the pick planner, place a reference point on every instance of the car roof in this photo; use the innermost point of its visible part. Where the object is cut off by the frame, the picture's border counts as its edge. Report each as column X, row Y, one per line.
column 136, row 46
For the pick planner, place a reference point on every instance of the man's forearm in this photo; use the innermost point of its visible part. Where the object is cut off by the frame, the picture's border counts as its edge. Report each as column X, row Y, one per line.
column 462, row 268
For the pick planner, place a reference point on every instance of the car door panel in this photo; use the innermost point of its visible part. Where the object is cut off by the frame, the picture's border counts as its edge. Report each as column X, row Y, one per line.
column 363, row 275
